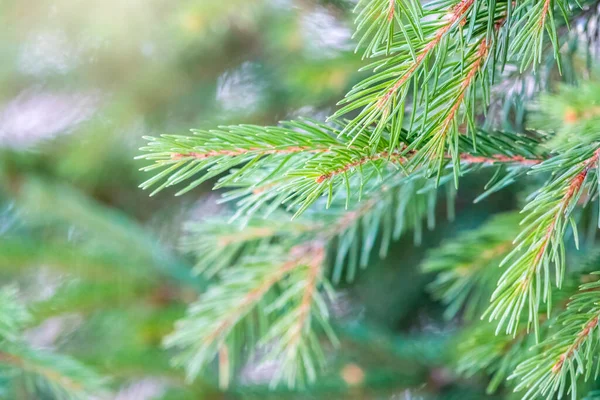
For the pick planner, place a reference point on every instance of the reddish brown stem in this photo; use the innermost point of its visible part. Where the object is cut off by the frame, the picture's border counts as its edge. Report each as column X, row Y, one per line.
column 360, row 161
column 499, row 158
column 458, row 12
column 593, row 323
column 545, row 10
column 391, row 10
column 398, row 158
column 471, row 75
column 309, row 290
column 299, row 256
column 571, row 190
column 239, row 152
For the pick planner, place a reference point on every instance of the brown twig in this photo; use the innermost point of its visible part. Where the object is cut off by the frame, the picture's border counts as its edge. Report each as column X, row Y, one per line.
column 312, row 280
column 239, row 152
column 593, row 323
column 391, row 10
column 299, row 256
column 457, row 13
column 399, row 158
column 570, row 191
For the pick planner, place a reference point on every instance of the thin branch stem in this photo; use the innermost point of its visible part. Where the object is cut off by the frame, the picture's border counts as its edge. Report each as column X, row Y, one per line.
column 49, row 374
column 570, row 352
column 457, row 13
column 312, row 280
column 397, row 158
column 252, row 150
column 570, row 191
column 300, row 255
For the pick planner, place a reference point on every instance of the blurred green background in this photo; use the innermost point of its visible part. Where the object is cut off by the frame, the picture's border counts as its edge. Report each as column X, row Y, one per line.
column 81, row 81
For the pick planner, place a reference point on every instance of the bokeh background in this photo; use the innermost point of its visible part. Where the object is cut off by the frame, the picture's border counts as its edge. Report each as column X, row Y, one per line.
column 97, row 260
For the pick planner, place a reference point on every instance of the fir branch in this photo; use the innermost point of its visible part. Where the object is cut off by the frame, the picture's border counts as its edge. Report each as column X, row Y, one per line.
column 291, row 339
column 385, row 155
column 481, row 350
column 441, row 129
column 376, row 20
column 535, row 16
column 276, row 165
column 50, row 374
column 217, row 151
column 457, row 13
column 218, row 244
column 382, row 97
column 568, row 354
column 248, row 289
column 527, row 279
column 44, row 373
column 500, row 354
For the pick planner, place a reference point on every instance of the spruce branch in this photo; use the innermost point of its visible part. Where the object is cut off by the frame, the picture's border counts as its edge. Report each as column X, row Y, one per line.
column 481, row 350
column 528, row 280
column 51, row 374
column 42, row 372
column 441, row 130
column 377, row 21
column 274, row 166
column 217, row 244
column 382, row 97
column 292, row 339
column 390, row 205
column 534, row 19
column 247, row 293
column 217, row 151
column 354, row 183
column 566, row 355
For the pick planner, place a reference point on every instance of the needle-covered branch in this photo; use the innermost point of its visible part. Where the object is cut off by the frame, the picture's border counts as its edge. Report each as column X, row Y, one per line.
column 527, row 281
column 299, row 162
column 567, row 355
column 354, row 184
column 34, row 372
column 442, row 62
column 257, row 297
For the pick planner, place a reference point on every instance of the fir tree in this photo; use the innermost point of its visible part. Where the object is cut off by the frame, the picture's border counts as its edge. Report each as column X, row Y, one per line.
column 312, row 200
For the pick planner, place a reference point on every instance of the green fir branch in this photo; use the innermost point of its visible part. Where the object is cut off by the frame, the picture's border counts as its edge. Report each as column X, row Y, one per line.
column 567, row 355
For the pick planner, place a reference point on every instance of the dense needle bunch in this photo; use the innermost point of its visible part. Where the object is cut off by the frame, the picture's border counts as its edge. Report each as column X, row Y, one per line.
column 312, row 199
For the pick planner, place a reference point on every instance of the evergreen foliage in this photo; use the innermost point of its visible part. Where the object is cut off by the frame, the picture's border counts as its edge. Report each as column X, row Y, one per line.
column 35, row 372
column 414, row 125
column 376, row 253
